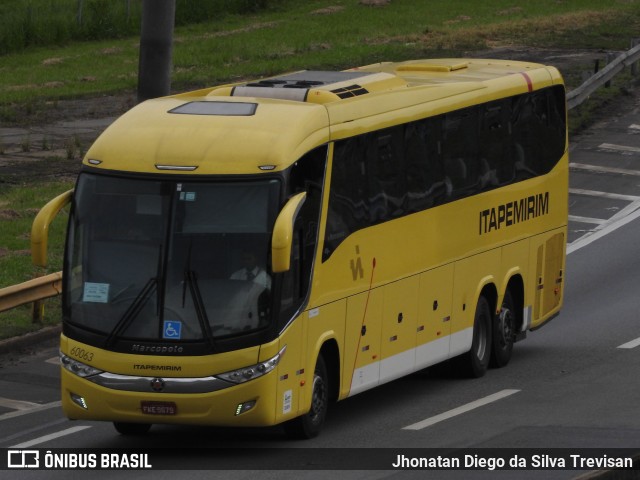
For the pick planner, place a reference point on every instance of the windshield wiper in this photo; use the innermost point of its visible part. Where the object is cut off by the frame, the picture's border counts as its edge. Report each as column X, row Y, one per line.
column 191, row 280
column 133, row 310
column 138, row 303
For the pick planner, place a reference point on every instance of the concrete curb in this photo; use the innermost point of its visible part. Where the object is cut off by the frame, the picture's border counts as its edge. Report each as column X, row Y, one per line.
column 30, row 339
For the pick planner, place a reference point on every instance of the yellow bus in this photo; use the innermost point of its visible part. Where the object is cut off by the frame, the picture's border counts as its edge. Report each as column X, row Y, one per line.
column 245, row 255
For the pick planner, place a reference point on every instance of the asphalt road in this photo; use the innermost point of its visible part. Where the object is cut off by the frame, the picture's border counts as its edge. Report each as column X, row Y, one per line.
column 572, row 384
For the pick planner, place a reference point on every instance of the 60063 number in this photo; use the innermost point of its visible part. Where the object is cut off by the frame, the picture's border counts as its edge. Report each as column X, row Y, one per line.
column 81, row 353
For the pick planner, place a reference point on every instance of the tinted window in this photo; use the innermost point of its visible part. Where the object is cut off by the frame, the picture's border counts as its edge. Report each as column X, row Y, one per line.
column 393, row 172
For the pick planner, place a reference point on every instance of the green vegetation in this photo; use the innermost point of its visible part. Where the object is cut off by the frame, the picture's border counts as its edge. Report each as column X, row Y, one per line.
column 50, row 50
column 313, row 34
column 25, row 23
column 19, row 205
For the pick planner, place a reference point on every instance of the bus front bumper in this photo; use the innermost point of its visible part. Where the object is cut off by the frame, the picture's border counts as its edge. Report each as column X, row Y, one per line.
column 243, row 405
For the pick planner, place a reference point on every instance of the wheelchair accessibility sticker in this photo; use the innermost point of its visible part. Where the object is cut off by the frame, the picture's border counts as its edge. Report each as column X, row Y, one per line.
column 172, row 330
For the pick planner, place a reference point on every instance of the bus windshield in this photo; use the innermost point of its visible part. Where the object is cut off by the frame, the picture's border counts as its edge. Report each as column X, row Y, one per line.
column 169, row 261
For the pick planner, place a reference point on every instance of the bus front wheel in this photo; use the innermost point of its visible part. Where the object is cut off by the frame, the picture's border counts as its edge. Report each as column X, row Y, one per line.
column 309, row 424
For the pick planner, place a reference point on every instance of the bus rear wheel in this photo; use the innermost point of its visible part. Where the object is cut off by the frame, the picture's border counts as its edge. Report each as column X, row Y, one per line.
column 504, row 326
column 124, row 428
column 475, row 362
column 309, row 424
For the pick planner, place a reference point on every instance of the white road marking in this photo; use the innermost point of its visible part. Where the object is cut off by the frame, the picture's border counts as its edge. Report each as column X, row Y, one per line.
column 35, row 409
column 51, row 436
column 599, row 169
column 631, row 344
column 624, row 216
column 17, row 404
column 54, row 360
column 595, row 193
column 633, row 126
column 576, row 218
column 619, row 148
column 460, row 410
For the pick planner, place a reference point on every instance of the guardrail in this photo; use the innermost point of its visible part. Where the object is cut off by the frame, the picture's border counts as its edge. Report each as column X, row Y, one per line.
column 580, row 94
column 31, row 291
column 51, row 285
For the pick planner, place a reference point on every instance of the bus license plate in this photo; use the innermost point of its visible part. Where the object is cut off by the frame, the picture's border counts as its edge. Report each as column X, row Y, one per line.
column 159, row 408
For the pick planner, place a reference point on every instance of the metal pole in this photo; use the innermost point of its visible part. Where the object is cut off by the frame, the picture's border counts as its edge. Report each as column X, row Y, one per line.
column 610, row 58
column 156, row 48
column 634, row 65
column 79, row 14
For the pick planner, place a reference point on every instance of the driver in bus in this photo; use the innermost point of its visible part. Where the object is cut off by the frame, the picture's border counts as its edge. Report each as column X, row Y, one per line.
column 252, row 271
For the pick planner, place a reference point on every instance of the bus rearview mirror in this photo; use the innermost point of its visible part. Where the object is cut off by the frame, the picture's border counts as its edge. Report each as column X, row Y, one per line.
column 40, row 228
column 282, row 237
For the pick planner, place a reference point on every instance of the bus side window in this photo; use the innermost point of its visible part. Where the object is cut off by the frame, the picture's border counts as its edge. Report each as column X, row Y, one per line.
column 460, row 151
column 554, row 126
column 426, row 182
column 385, row 166
column 307, row 175
column 494, row 145
column 348, row 199
column 524, row 152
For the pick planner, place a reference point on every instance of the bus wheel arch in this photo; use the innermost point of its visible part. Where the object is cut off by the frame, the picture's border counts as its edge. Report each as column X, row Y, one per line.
column 475, row 362
column 331, row 355
column 507, row 322
column 324, row 389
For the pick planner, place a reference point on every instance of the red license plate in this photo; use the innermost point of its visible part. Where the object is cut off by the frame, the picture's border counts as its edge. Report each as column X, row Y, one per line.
column 159, row 408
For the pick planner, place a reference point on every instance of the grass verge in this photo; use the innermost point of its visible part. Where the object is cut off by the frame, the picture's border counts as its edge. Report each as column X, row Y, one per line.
column 317, row 34
column 19, row 205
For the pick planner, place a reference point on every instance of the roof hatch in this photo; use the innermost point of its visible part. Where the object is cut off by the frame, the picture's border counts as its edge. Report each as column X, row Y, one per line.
column 432, row 67
column 316, row 86
column 234, row 109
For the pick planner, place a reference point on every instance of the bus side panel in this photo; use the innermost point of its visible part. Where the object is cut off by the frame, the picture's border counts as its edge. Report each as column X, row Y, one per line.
column 434, row 316
column 400, row 318
column 471, row 275
column 554, row 270
column 290, row 371
column 548, row 262
column 362, row 351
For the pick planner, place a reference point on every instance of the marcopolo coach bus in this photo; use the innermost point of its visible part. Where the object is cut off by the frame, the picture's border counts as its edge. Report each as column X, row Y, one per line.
column 244, row 255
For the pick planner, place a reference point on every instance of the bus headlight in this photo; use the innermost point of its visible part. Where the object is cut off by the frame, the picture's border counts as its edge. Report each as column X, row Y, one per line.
column 76, row 367
column 254, row 371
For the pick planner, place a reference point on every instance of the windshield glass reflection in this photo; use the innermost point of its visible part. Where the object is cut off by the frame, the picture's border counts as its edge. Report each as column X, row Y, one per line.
column 170, row 261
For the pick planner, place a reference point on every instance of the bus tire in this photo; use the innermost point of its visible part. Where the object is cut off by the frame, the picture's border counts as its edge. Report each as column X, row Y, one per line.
column 309, row 425
column 504, row 325
column 124, row 428
column 475, row 362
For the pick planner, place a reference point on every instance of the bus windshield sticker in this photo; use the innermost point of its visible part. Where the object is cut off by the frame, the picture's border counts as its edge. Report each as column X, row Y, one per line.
column 188, row 196
column 172, row 330
column 95, row 292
